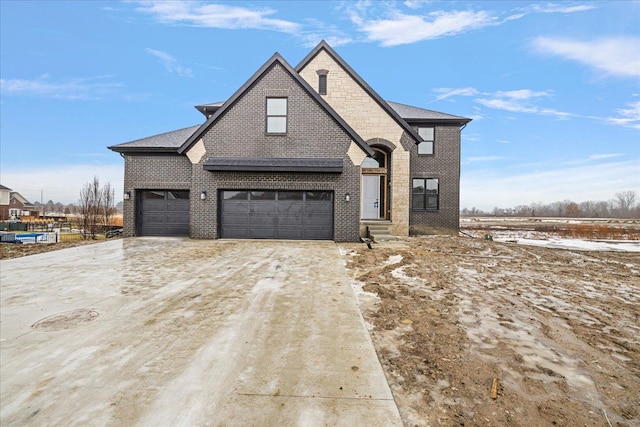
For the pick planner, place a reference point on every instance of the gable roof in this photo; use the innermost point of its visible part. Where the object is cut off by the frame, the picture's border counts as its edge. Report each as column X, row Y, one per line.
column 323, row 45
column 2, row 187
column 276, row 58
column 209, row 109
column 19, row 197
column 167, row 142
column 409, row 113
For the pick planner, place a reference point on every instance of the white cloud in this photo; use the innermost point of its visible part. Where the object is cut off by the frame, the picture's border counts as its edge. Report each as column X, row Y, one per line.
column 170, row 63
column 76, row 88
column 521, row 101
column 605, row 156
column 66, row 186
column 415, row 4
column 200, row 14
column 614, row 56
column 476, row 159
column 488, row 188
column 401, row 29
column 561, row 8
column 628, row 117
column 446, row 92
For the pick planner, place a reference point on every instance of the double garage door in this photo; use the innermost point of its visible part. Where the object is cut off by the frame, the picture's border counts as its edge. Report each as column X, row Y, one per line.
column 163, row 213
column 306, row 215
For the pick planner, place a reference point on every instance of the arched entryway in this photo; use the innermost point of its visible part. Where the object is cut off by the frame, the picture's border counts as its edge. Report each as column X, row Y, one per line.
column 375, row 185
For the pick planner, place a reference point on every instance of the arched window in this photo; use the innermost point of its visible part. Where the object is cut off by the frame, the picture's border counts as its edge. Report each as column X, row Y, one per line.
column 379, row 160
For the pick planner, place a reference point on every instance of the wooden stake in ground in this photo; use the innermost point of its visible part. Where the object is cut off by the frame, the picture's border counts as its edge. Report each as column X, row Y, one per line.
column 494, row 389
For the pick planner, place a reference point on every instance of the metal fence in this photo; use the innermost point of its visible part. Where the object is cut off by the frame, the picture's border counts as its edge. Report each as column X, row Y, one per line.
column 30, row 237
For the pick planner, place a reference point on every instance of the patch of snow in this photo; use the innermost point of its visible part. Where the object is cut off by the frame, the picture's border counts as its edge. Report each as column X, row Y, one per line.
column 393, row 259
column 577, row 244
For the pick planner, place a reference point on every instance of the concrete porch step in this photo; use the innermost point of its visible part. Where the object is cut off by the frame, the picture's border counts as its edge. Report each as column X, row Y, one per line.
column 379, row 231
column 382, row 238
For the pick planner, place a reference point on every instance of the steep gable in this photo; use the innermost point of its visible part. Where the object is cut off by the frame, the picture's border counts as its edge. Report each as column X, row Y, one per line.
column 276, row 65
column 352, row 97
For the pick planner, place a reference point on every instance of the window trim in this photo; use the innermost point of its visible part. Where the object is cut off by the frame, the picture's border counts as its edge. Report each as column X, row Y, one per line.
column 285, row 115
column 432, row 141
column 424, row 194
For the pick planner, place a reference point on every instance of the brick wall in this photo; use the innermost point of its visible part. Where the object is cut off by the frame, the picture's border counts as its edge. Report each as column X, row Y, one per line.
column 445, row 165
column 152, row 172
column 311, row 132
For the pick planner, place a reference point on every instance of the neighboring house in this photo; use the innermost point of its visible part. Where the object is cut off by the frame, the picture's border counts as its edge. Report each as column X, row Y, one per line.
column 13, row 205
column 5, row 196
column 310, row 152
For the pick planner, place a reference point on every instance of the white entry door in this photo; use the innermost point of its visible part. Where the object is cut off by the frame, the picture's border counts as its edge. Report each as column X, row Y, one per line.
column 370, row 197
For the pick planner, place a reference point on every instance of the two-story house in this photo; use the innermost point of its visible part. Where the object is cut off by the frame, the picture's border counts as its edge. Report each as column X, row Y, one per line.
column 310, row 152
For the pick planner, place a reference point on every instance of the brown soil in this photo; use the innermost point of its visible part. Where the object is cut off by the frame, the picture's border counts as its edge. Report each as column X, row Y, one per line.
column 12, row 250
column 559, row 330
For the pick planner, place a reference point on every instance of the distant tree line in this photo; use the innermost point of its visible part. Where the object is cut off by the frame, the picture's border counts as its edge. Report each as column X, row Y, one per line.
column 625, row 204
column 58, row 208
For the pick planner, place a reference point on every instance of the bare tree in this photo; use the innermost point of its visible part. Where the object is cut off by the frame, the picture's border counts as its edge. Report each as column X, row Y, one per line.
column 624, row 202
column 91, row 207
column 108, row 208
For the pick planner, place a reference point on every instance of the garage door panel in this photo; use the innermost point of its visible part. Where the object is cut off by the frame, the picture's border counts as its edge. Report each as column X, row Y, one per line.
column 319, row 234
column 262, row 220
column 290, row 220
column 236, row 233
column 235, row 220
column 290, row 207
column 290, row 233
column 163, row 213
column 263, row 207
column 262, row 232
column 276, row 214
column 177, row 205
column 233, row 206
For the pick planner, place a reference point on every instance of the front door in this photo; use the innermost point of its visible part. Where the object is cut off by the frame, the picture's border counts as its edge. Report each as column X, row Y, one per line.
column 371, row 196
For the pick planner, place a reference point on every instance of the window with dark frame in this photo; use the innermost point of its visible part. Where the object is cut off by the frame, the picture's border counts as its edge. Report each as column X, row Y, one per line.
column 277, row 115
column 322, row 84
column 426, row 146
column 425, row 194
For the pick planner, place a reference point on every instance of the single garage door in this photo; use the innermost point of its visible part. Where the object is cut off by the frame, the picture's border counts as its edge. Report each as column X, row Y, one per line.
column 163, row 213
column 306, row 215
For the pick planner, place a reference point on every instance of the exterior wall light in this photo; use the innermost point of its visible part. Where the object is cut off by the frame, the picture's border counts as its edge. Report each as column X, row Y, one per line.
column 346, row 197
column 126, row 195
column 203, row 195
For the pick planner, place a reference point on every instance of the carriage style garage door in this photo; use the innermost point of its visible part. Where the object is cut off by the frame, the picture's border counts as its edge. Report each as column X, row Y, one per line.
column 163, row 213
column 306, row 215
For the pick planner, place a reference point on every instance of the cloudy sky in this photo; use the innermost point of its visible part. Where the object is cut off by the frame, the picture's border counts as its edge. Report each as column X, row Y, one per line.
column 553, row 88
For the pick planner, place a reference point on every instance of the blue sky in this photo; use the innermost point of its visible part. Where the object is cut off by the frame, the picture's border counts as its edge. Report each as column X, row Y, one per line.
column 553, row 88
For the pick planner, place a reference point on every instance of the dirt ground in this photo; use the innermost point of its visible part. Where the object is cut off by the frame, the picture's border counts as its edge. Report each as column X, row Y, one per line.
column 558, row 331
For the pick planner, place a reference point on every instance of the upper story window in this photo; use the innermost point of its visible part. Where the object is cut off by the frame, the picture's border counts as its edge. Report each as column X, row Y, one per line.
column 276, row 115
column 428, row 134
column 322, row 81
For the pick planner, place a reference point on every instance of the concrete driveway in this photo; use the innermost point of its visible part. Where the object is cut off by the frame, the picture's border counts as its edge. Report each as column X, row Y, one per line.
column 165, row 332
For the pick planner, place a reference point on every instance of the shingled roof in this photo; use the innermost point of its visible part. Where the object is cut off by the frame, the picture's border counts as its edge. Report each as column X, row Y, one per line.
column 164, row 142
column 409, row 113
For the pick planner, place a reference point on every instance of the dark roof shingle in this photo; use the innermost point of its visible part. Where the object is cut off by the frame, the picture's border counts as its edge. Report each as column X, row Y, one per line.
column 409, row 112
column 168, row 142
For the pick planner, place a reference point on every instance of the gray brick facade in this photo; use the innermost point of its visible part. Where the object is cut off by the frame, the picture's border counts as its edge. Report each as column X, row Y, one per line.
column 311, row 132
column 152, row 172
column 444, row 164
column 327, row 128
